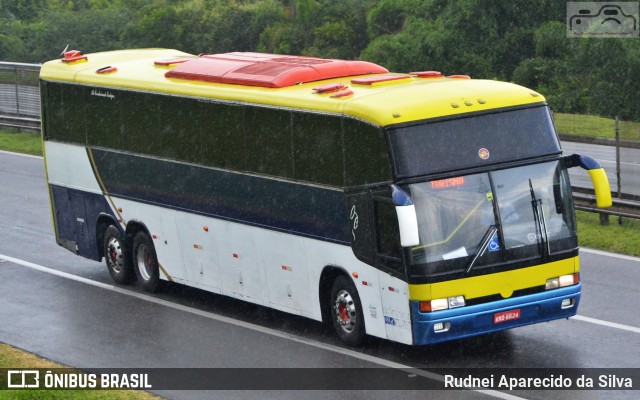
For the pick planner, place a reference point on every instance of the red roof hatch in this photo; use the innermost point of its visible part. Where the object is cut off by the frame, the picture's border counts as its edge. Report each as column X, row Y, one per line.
column 268, row 70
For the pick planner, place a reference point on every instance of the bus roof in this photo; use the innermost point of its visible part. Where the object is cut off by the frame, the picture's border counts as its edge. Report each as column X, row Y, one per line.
column 355, row 88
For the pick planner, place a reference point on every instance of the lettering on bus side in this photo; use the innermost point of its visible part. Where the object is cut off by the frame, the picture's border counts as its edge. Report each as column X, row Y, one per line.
column 360, row 227
column 353, row 216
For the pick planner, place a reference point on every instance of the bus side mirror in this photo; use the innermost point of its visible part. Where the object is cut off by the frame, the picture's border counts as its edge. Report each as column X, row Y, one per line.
column 407, row 218
column 597, row 175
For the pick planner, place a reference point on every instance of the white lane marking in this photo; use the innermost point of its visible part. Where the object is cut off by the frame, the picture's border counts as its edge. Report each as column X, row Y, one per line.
column 606, row 323
column 20, row 154
column 608, row 254
column 262, row 329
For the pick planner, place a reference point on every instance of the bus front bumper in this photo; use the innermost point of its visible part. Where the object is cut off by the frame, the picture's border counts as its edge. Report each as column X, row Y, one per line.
column 467, row 321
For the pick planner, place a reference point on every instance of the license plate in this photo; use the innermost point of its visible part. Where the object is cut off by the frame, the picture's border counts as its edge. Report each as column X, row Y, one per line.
column 506, row 316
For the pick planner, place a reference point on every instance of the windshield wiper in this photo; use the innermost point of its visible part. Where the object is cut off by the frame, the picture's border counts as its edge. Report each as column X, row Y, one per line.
column 541, row 222
column 486, row 239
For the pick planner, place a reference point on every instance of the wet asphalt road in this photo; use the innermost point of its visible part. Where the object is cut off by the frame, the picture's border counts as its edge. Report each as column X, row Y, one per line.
column 80, row 319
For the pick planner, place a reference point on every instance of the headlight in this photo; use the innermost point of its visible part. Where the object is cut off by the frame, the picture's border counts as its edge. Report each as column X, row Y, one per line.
column 562, row 281
column 442, row 304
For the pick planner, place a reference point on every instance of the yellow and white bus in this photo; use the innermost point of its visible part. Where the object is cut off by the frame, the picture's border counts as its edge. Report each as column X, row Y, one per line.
column 414, row 207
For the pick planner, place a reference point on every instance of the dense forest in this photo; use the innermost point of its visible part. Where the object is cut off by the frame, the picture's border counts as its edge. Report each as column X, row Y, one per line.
column 523, row 41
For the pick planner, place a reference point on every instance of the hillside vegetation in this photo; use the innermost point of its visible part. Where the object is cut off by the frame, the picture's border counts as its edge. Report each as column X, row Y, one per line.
column 523, row 41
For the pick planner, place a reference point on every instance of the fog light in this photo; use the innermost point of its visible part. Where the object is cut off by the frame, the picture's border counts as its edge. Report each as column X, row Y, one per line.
column 441, row 327
column 567, row 303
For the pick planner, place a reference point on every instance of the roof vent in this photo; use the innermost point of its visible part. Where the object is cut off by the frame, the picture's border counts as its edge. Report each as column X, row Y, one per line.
column 268, row 70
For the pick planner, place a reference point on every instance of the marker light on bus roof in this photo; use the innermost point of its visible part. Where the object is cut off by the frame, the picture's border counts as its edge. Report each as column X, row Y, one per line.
column 459, row 77
column 427, row 74
column 344, row 93
column 72, row 56
column 329, row 88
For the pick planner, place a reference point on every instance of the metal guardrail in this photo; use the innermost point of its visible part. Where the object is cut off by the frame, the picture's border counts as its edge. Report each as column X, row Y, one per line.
column 621, row 207
column 20, row 122
column 19, row 95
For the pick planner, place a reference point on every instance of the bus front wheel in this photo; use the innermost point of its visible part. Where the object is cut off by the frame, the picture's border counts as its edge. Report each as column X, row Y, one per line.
column 116, row 257
column 146, row 262
column 346, row 312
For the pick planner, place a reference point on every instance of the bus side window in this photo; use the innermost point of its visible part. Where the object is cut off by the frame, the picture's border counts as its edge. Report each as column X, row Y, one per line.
column 318, row 149
column 268, row 141
column 360, row 227
column 389, row 251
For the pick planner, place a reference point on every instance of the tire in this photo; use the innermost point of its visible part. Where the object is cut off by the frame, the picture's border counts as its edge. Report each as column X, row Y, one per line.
column 145, row 263
column 116, row 256
column 346, row 312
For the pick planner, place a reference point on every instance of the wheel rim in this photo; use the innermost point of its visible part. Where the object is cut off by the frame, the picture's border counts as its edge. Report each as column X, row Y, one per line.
column 145, row 262
column 114, row 255
column 345, row 311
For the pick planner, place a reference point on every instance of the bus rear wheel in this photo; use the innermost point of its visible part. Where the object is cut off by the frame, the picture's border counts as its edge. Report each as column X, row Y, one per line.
column 116, row 256
column 146, row 262
column 346, row 312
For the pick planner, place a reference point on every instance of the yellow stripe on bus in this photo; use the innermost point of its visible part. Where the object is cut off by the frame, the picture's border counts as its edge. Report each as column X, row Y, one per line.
column 504, row 283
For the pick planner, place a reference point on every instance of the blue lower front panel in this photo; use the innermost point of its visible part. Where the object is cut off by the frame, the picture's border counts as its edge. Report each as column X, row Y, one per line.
column 480, row 319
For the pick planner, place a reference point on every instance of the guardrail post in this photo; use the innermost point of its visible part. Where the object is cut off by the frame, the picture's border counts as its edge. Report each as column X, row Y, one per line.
column 604, row 219
column 618, row 172
column 15, row 80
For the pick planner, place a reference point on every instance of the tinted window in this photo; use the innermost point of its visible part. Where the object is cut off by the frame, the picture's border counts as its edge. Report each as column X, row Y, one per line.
column 387, row 231
column 218, row 136
column 65, row 112
column 317, row 149
column 176, row 128
column 101, row 111
column 366, row 154
column 139, row 123
column 268, row 141
column 472, row 141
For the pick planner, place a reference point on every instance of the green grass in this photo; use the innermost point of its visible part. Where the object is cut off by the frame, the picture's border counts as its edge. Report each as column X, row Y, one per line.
column 13, row 358
column 614, row 237
column 21, row 142
column 593, row 126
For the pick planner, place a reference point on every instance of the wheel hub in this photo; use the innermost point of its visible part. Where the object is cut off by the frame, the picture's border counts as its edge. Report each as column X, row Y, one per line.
column 144, row 262
column 345, row 311
column 114, row 255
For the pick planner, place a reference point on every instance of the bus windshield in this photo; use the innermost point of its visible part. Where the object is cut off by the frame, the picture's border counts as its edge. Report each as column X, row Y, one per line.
column 475, row 221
